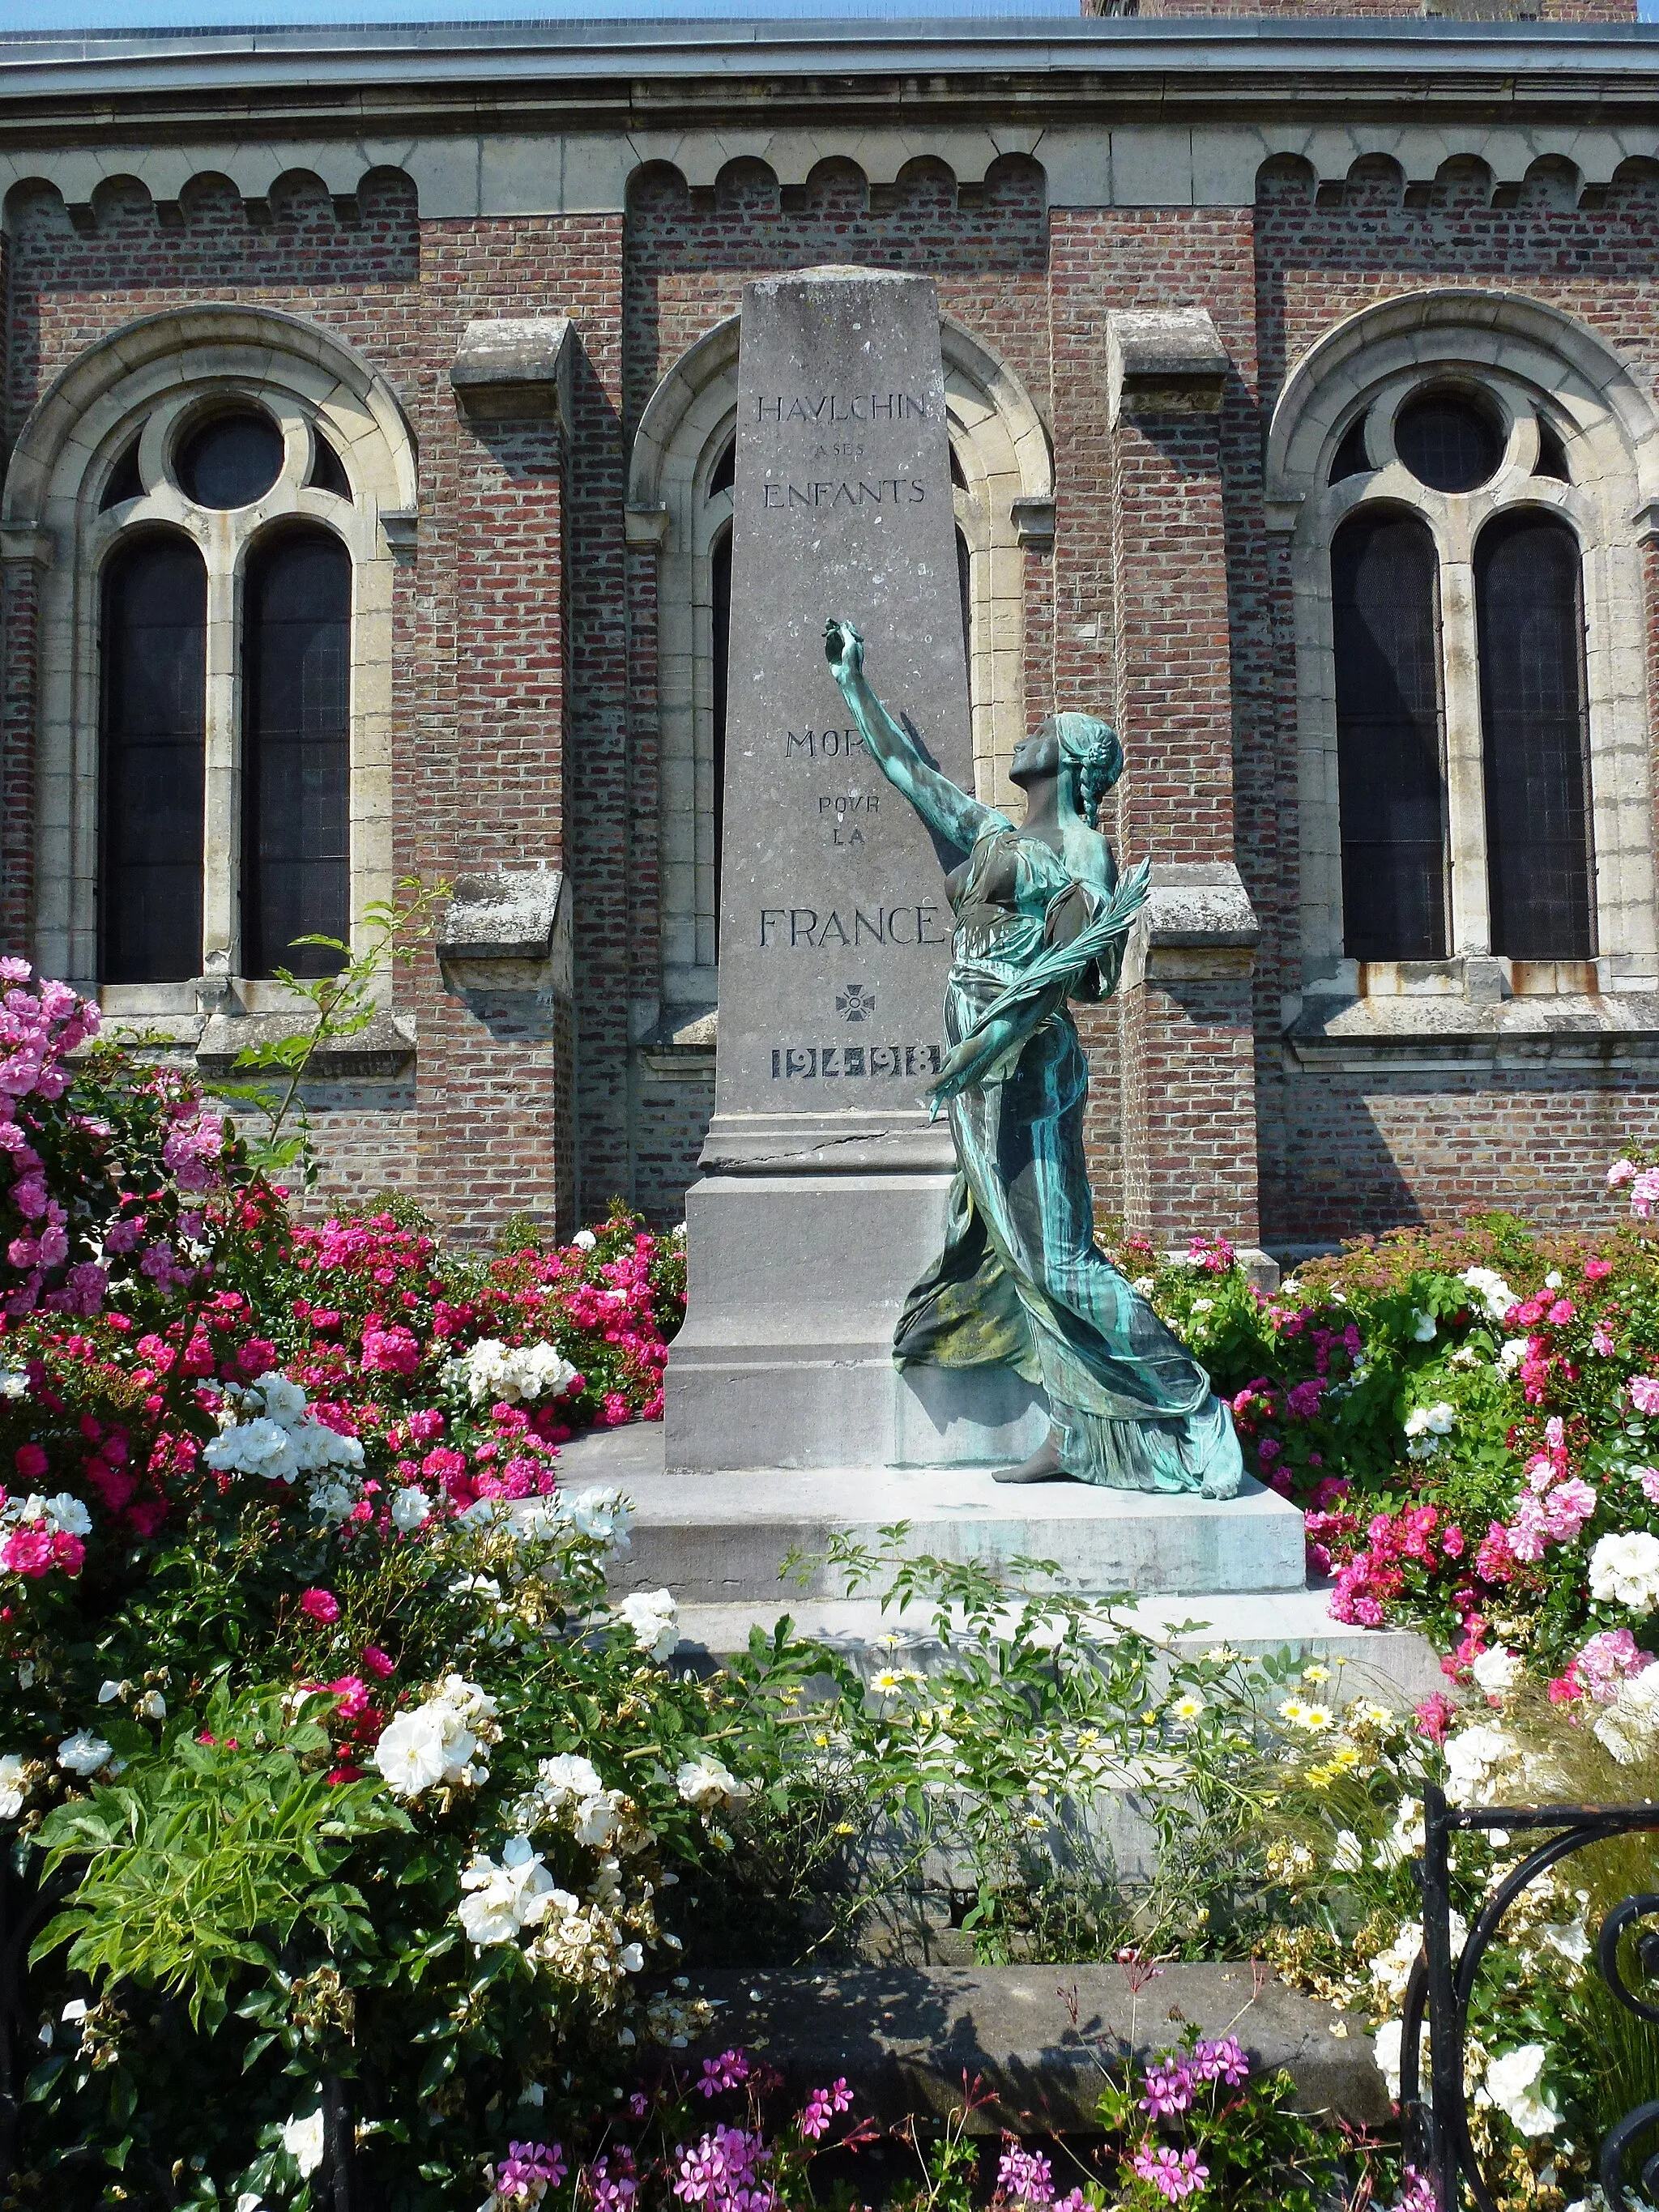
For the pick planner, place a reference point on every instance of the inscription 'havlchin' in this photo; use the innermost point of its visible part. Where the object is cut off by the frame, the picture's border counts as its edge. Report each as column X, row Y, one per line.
column 841, row 407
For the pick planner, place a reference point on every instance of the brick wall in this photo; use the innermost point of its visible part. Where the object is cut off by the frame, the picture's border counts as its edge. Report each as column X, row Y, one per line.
column 1370, row 1155
column 526, row 635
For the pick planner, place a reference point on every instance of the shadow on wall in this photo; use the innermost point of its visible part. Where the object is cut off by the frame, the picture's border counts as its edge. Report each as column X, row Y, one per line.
column 1337, row 1174
column 1356, row 1162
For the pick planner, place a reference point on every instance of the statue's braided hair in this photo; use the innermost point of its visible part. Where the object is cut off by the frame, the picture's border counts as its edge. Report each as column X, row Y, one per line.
column 1091, row 748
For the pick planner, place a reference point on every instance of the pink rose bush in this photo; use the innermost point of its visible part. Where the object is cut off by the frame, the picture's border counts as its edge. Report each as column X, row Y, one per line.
column 1468, row 1421
column 284, row 1544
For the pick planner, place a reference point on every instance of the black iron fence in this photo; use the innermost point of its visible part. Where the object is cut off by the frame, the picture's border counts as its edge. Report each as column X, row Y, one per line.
column 1440, row 1988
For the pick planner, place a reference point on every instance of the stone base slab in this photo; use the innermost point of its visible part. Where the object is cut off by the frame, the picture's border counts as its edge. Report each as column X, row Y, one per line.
column 721, row 1539
column 904, row 2036
column 1364, row 1661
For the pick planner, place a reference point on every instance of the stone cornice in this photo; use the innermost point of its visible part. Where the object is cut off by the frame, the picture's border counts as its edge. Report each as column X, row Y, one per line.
column 506, row 120
column 512, row 74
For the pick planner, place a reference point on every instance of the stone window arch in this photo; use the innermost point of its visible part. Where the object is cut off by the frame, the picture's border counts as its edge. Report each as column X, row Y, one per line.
column 1519, row 457
column 679, row 502
column 284, row 464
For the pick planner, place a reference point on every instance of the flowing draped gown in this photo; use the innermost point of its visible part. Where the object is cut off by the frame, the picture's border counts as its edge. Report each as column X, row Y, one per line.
column 1021, row 1282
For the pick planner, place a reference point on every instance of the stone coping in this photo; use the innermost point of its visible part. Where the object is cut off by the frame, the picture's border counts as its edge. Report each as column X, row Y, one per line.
column 905, row 2037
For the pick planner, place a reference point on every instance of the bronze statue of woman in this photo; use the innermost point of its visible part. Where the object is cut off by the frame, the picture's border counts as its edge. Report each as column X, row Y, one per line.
column 1041, row 918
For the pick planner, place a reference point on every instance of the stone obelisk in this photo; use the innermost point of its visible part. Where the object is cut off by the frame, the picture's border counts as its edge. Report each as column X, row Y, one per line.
column 824, row 1185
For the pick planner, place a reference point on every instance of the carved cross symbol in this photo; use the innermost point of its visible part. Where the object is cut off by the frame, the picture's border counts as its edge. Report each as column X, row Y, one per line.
column 855, row 1002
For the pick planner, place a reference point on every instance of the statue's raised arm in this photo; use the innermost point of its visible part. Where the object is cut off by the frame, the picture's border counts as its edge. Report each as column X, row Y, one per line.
column 953, row 813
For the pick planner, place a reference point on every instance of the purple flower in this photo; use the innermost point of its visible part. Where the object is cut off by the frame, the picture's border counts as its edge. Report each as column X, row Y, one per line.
column 822, row 2106
column 723, row 2073
column 1025, row 2177
column 527, row 2172
column 1223, row 2060
column 614, row 2192
column 1419, row 2193
column 1168, row 2086
column 722, row 2171
column 1173, row 2176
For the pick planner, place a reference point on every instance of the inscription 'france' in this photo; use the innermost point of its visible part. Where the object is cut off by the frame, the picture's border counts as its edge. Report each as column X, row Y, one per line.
column 795, row 926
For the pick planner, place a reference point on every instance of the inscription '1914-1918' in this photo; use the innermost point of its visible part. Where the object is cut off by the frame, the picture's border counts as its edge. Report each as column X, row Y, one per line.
column 818, row 1062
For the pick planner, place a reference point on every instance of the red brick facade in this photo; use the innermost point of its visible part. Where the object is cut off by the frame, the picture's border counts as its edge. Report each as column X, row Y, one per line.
column 525, row 718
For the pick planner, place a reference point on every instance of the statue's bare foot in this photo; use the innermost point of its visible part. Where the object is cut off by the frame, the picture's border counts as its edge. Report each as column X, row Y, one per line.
column 1043, row 1465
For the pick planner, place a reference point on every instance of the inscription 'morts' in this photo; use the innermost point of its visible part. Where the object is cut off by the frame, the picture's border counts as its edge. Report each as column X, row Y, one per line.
column 886, row 491
column 841, row 407
column 823, row 744
column 796, row 925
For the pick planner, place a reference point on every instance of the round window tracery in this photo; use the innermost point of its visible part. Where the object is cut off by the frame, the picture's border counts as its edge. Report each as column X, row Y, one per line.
column 1446, row 442
column 231, row 459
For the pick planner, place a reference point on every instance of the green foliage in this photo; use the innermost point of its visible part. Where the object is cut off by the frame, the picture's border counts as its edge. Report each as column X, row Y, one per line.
column 206, row 1856
column 343, row 1005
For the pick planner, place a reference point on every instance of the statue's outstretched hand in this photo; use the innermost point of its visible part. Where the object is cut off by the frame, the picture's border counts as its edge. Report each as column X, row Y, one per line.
column 843, row 648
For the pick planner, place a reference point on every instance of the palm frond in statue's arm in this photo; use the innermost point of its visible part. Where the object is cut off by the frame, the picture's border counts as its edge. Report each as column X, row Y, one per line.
column 1063, row 963
column 999, row 1031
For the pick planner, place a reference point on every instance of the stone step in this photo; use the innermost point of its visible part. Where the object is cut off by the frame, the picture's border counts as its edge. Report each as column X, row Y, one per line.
column 1034, row 2037
column 721, row 1539
column 1372, row 1661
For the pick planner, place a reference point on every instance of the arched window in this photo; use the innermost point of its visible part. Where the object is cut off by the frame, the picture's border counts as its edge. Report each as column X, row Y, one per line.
column 1385, row 629
column 296, row 752
column 153, row 695
column 1529, row 599
column 170, row 730
column 1520, row 449
column 230, row 493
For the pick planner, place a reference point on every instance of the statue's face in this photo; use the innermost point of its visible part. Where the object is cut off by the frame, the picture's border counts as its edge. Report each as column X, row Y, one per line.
column 1034, row 757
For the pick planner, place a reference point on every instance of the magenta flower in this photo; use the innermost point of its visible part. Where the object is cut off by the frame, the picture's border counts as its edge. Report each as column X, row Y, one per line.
column 1221, row 2060
column 527, row 2172
column 1174, row 2175
column 1168, row 2086
column 1025, row 2178
column 321, row 1605
column 723, row 2073
column 722, row 2171
column 822, row 2106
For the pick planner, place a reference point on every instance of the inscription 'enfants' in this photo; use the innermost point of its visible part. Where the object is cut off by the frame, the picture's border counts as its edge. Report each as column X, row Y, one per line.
column 839, row 407
column 886, row 491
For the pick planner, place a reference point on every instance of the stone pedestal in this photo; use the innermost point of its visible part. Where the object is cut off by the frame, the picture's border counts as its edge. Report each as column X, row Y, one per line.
column 825, row 1186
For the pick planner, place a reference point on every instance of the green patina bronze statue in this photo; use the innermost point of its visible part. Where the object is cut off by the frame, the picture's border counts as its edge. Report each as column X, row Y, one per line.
column 1041, row 918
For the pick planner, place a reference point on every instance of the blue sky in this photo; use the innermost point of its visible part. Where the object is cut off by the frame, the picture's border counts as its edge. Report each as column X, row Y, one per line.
column 228, row 14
